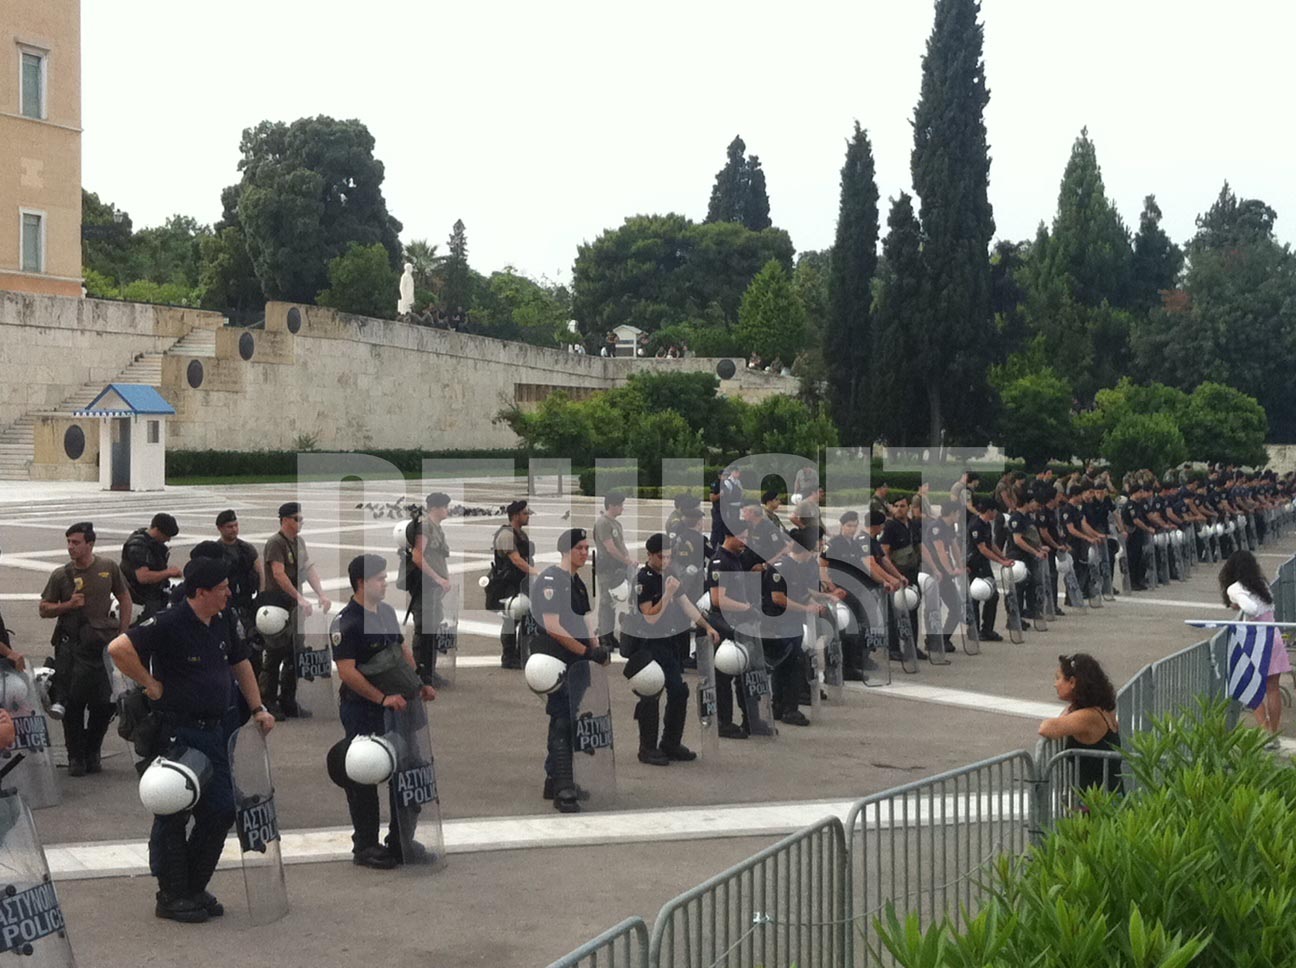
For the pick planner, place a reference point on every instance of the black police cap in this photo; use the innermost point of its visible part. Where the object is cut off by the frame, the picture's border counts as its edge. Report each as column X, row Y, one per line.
column 207, row 549
column 438, row 499
column 201, row 573
column 570, row 539
column 289, row 510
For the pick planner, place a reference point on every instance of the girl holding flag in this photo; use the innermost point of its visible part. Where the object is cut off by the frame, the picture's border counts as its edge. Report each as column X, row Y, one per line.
column 1243, row 586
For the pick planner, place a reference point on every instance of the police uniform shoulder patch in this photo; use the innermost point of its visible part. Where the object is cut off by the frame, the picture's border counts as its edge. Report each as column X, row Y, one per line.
column 776, row 577
column 105, row 574
column 548, row 594
column 638, row 588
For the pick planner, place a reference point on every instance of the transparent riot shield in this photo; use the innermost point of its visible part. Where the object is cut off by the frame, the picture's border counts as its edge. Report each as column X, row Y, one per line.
column 832, row 660
column 313, row 664
column 707, row 715
column 757, row 690
column 1149, row 560
column 1039, row 592
column 32, row 930
column 1012, row 608
column 899, row 618
column 445, row 637
column 809, row 655
column 1105, row 570
column 593, row 755
column 1067, row 576
column 256, row 823
column 877, row 608
column 1094, row 589
column 527, row 631
column 33, row 774
column 415, row 797
column 1161, row 559
column 931, row 621
column 970, row 630
column 1049, row 594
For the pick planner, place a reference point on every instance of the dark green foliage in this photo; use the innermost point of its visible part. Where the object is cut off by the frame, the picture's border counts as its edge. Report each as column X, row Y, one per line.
column 309, row 190
column 849, row 340
column 228, row 278
column 1237, row 323
column 1035, row 418
column 362, row 281
column 771, row 321
column 1224, row 425
column 667, row 415
column 895, row 400
column 951, row 172
column 1144, row 440
column 1198, row 866
column 1157, row 261
column 106, row 237
column 656, row 271
column 283, row 463
column 510, row 306
column 457, row 291
column 739, row 193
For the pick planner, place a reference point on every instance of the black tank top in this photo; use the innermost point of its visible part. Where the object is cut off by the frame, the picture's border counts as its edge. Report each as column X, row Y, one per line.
column 1089, row 769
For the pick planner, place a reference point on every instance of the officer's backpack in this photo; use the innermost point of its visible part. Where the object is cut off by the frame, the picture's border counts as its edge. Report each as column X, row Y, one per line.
column 409, row 577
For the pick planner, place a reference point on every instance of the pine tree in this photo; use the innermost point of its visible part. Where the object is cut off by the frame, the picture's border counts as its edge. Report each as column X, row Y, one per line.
column 771, row 321
column 895, row 385
column 1157, row 260
column 848, row 337
column 1089, row 245
column 457, row 293
column 739, row 194
column 951, row 172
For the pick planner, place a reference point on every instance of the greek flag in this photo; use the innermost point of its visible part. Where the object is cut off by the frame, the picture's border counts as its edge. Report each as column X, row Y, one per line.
column 1249, row 650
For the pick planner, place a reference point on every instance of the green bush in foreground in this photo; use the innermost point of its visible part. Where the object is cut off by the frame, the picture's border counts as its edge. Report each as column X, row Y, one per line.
column 1198, row 867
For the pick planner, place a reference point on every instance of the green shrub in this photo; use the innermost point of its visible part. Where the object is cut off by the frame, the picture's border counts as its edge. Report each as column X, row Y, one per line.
column 1197, row 866
column 283, row 463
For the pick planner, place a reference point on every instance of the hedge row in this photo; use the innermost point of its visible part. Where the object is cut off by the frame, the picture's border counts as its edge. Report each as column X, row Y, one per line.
column 278, row 463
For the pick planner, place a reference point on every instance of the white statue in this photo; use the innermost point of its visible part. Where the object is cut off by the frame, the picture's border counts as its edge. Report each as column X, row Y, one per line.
column 406, row 302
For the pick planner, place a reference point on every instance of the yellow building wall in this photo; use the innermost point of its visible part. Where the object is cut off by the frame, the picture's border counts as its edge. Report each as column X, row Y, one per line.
column 40, row 160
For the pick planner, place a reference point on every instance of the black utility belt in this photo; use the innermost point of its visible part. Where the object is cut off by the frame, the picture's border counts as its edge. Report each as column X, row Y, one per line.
column 188, row 721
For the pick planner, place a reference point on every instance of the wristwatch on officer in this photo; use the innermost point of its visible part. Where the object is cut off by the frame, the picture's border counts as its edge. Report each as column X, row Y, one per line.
column 260, row 709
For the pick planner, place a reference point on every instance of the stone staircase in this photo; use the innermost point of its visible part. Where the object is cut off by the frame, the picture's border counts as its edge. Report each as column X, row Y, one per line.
column 18, row 441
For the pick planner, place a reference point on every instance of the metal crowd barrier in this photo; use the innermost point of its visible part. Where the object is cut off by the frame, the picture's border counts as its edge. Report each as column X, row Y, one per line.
column 624, row 946
column 786, row 905
column 927, row 847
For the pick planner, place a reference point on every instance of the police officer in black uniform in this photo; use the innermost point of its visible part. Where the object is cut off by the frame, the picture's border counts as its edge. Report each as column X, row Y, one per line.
column 513, row 564
column 566, row 629
column 184, row 664
column 982, row 553
column 845, row 556
column 733, row 593
column 789, row 595
column 659, row 626
column 144, row 564
column 247, row 578
column 366, row 626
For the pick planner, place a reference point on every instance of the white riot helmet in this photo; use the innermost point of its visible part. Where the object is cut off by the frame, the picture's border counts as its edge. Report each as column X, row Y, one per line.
column 174, row 783
column 517, row 606
column 14, row 693
column 620, row 593
column 1018, row 570
column 1178, row 537
column 905, row 599
column 43, row 677
column 544, row 673
column 646, row 677
column 980, row 590
column 794, row 499
column 704, row 603
column 271, row 619
column 842, row 616
column 925, row 581
column 399, row 533
column 731, row 658
column 370, row 760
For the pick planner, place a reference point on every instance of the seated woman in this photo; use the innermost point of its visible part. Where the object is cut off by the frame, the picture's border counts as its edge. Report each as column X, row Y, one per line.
column 1089, row 721
column 1243, row 586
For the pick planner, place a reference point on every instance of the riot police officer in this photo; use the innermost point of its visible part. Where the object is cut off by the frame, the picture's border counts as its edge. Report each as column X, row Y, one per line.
column 512, row 564
column 567, row 631
column 247, row 578
column 79, row 595
column 366, row 627
column 659, row 626
column 613, row 564
column 428, row 583
column 144, row 563
column 184, row 665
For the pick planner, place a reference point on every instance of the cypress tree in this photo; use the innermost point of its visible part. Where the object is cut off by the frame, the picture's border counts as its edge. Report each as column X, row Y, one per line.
column 458, row 279
column 755, row 209
column 951, row 172
column 895, row 388
column 728, row 191
column 1157, row 260
column 848, row 336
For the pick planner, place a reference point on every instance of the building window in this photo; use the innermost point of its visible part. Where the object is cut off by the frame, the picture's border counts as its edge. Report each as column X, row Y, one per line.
column 33, row 242
column 153, row 431
column 33, row 84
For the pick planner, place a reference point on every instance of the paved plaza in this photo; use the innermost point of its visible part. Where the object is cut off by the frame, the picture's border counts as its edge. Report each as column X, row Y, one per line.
column 511, row 854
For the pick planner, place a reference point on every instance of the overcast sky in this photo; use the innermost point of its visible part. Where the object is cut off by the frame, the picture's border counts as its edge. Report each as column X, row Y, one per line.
column 542, row 124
